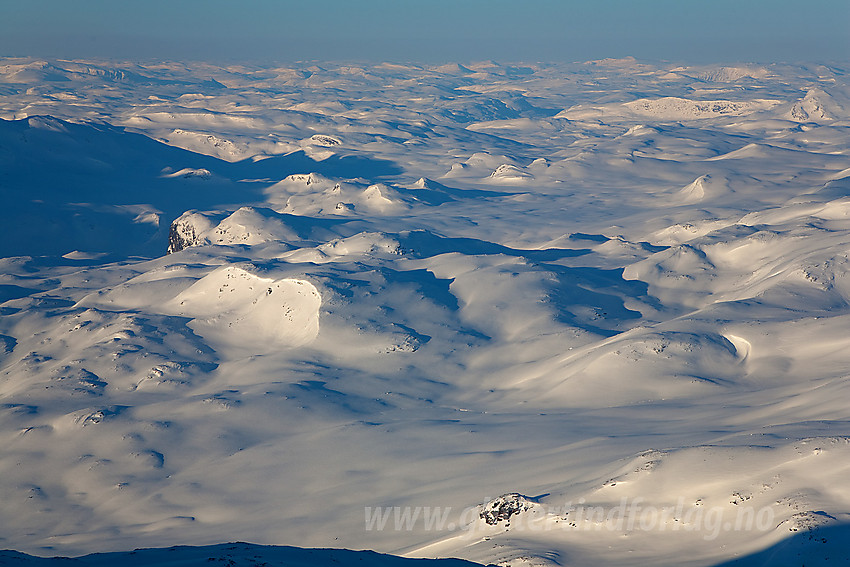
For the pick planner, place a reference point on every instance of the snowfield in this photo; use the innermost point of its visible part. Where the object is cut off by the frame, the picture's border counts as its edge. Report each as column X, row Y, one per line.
column 585, row 314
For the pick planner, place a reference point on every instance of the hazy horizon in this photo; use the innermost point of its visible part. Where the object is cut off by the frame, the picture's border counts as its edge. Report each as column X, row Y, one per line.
column 438, row 31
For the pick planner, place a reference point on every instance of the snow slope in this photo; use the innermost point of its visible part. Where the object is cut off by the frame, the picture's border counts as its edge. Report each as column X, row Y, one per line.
column 425, row 311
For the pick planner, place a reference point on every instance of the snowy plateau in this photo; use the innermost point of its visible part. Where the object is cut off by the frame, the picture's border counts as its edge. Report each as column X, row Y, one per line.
column 529, row 315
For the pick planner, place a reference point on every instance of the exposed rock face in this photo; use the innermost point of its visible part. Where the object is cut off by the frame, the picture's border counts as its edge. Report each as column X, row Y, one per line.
column 503, row 507
column 181, row 235
column 187, row 230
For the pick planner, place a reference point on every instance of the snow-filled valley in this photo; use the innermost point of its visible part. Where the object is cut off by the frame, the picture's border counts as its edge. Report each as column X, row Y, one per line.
column 567, row 314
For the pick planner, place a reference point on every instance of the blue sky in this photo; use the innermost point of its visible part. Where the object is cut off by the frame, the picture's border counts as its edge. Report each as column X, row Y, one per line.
column 429, row 30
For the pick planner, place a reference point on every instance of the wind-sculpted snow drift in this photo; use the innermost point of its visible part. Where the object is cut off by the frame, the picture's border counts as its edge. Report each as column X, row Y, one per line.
column 349, row 306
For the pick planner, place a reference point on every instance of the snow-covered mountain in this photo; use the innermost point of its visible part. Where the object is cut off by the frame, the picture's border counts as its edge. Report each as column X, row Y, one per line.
column 233, row 554
column 523, row 315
